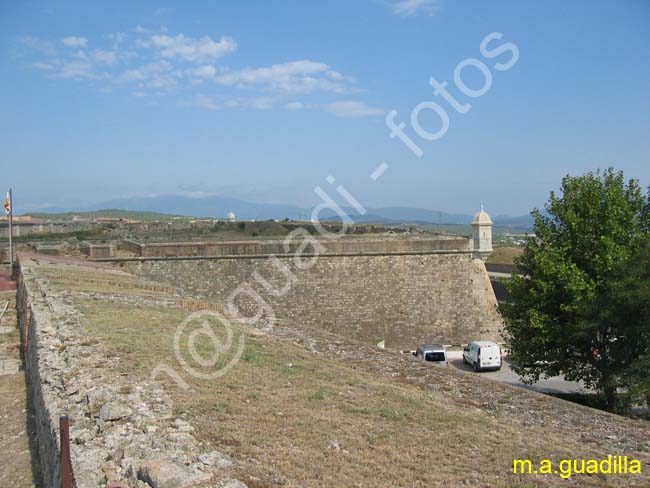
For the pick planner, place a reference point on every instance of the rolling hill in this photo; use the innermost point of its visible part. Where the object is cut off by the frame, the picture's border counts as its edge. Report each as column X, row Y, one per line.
column 153, row 208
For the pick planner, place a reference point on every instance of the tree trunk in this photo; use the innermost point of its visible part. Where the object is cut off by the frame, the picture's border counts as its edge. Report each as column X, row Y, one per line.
column 610, row 397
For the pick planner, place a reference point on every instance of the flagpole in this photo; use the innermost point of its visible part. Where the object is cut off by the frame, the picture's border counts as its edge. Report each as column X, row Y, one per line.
column 11, row 224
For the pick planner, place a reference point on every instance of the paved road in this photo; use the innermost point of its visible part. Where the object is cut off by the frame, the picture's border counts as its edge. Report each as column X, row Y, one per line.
column 5, row 281
column 496, row 274
column 556, row 384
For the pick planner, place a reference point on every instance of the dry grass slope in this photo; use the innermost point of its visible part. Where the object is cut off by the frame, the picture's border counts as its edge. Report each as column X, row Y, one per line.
column 504, row 255
column 294, row 418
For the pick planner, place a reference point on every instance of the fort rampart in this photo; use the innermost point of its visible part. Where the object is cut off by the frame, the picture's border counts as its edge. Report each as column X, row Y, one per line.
column 402, row 291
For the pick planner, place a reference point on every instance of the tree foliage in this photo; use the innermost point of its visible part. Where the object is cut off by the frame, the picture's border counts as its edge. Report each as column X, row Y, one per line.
column 580, row 305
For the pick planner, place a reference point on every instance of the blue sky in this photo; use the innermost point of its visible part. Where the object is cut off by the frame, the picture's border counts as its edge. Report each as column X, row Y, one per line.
column 264, row 100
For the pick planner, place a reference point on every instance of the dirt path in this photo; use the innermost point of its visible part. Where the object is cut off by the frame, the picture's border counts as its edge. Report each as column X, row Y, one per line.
column 15, row 457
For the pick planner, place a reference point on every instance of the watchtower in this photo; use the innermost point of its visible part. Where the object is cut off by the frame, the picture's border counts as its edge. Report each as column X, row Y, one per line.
column 481, row 235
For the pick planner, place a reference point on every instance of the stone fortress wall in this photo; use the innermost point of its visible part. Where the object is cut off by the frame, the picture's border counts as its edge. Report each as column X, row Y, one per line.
column 122, row 432
column 405, row 291
column 348, row 245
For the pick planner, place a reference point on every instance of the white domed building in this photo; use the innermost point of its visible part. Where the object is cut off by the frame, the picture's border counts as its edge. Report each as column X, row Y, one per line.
column 481, row 244
column 230, row 217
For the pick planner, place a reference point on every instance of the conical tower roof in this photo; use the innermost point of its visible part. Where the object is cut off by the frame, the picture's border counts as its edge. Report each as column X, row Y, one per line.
column 482, row 218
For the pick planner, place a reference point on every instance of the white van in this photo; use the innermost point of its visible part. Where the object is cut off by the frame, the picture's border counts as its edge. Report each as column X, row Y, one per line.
column 483, row 355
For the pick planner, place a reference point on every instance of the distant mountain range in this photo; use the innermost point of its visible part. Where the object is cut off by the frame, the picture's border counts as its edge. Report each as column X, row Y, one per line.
column 218, row 207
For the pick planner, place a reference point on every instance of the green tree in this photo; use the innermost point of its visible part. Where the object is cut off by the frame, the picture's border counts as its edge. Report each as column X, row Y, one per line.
column 625, row 306
column 576, row 308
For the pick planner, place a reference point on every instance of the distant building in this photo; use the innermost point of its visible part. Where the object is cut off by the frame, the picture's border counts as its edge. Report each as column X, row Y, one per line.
column 481, row 235
column 230, row 217
column 19, row 218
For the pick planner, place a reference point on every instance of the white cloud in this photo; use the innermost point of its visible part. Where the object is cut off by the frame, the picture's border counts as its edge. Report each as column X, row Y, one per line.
column 273, row 73
column 133, row 75
column 410, row 8
column 162, row 82
column 295, row 106
column 44, row 47
column 116, row 39
column 202, row 101
column 73, row 41
column 149, row 63
column 259, row 103
column 302, row 76
column 75, row 70
column 143, row 30
column 206, row 71
column 158, row 75
column 190, row 49
column 351, row 108
column 344, row 108
column 75, row 63
column 104, row 57
column 220, row 103
column 44, row 66
column 335, row 75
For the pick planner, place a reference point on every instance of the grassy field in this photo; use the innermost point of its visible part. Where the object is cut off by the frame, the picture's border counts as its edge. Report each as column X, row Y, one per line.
column 290, row 417
column 504, row 255
column 113, row 213
column 89, row 280
column 466, row 229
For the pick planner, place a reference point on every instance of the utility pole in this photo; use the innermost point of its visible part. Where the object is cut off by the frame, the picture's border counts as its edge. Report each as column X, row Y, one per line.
column 11, row 223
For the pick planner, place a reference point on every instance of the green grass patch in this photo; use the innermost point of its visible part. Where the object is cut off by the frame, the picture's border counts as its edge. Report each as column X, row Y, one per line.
column 285, row 408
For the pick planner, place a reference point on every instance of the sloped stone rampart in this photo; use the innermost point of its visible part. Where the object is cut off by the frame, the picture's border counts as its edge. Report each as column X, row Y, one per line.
column 123, row 432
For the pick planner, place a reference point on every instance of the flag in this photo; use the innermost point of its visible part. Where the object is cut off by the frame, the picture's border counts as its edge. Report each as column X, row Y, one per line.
column 8, row 204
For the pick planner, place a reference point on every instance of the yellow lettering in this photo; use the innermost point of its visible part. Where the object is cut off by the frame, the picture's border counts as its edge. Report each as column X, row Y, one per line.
column 592, row 466
column 569, row 467
column 565, row 469
column 579, row 469
column 545, row 467
column 524, row 466
column 606, row 465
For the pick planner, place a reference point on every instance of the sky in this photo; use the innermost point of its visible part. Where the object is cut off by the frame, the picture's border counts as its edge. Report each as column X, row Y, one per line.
column 265, row 101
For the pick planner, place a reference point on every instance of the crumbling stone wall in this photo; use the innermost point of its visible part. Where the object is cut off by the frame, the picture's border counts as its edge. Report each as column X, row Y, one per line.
column 123, row 432
column 96, row 251
column 41, row 388
column 403, row 297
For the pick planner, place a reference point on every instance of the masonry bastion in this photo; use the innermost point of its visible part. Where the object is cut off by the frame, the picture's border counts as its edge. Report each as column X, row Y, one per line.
column 402, row 290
